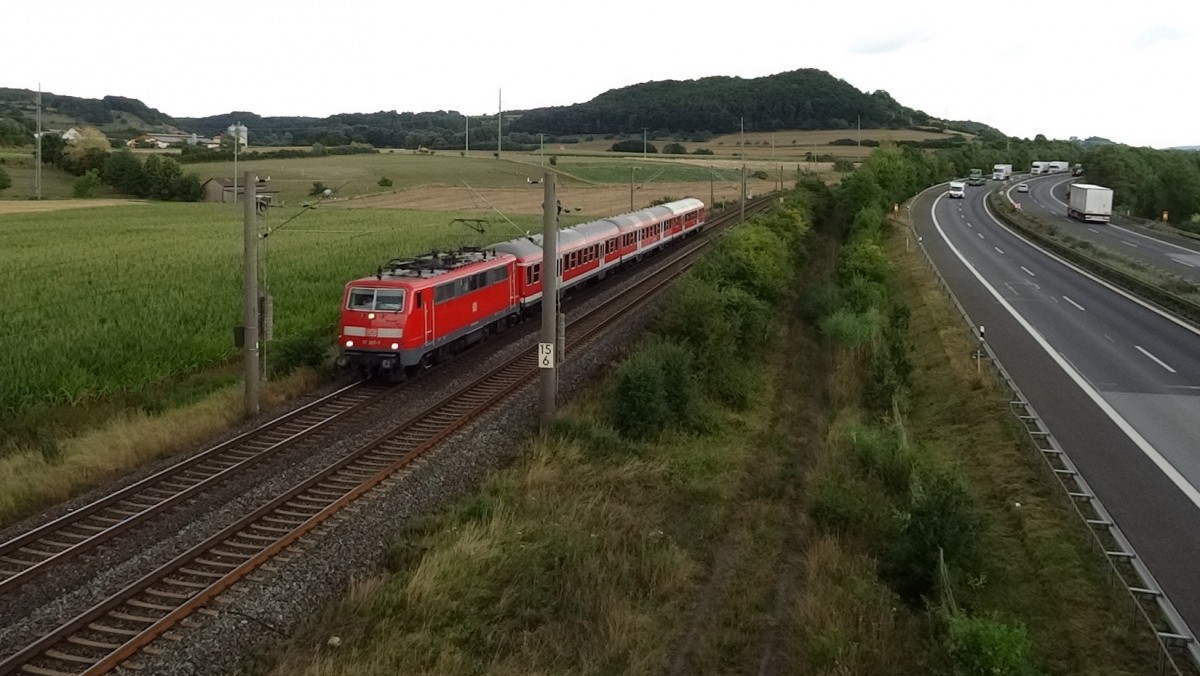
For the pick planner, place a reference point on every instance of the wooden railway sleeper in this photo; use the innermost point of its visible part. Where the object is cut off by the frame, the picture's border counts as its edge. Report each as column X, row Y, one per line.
column 36, row 552
column 186, row 584
column 251, row 536
column 19, row 562
column 116, row 631
column 296, row 515
column 219, row 564
column 167, row 594
column 89, row 643
column 68, row 657
column 203, row 573
column 56, row 543
column 32, row 669
column 271, row 529
column 138, row 603
column 132, row 618
column 290, row 523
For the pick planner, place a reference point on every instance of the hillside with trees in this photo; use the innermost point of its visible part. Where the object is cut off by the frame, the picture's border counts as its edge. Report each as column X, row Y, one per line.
column 799, row 99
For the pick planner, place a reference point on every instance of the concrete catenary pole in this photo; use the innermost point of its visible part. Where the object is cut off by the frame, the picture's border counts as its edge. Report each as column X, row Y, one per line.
column 250, row 296
column 499, row 121
column 38, row 164
column 549, row 333
column 742, row 200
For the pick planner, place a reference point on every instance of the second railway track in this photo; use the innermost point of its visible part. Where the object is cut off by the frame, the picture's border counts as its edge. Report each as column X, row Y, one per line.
column 110, row 632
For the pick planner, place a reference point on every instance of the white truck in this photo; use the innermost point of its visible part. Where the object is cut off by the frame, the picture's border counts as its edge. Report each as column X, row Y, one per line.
column 957, row 189
column 1090, row 203
column 1001, row 172
column 1040, row 167
column 1056, row 167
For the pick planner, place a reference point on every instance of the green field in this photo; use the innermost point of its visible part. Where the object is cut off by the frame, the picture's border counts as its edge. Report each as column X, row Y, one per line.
column 99, row 301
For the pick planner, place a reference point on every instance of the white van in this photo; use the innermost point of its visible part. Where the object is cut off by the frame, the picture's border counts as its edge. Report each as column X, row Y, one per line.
column 958, row 189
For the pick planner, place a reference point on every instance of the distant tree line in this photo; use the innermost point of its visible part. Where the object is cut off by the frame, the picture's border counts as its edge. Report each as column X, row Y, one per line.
column 197, row 153
column 1147, row 182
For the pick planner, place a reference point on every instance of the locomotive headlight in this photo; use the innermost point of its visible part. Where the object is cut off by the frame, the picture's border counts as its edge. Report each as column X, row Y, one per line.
column 349, row 343
column 370, row 315
column 395, row 346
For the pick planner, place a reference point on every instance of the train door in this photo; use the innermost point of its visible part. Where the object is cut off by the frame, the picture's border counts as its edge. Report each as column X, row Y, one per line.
column 427, row 309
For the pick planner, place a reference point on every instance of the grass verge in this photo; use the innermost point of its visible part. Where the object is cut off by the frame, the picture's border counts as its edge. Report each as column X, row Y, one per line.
column 33, row 477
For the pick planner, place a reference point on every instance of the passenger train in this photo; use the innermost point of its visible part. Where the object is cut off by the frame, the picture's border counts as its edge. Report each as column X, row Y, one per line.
column 416, row 311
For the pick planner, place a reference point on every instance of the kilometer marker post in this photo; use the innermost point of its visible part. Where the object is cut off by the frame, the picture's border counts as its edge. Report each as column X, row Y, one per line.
column 546, row 354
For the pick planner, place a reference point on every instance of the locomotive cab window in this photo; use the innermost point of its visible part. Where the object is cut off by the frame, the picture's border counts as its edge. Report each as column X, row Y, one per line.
column 376, row 300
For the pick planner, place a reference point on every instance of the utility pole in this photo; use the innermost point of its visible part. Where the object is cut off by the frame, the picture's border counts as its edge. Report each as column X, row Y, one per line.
column 467, row 136
column 631, row 170
column 712, row 189
column 542, row 144
column 742, row 201
column 250, row 297
column 643, row 143
column 499, row 121
column 860, row 131
column 37, row 174
column 547, row 355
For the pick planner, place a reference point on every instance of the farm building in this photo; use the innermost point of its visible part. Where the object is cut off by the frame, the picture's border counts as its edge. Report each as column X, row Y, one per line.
column 221, row 190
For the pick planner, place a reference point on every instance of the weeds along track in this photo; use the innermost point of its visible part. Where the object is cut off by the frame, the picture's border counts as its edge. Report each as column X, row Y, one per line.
column 82, row 530
column 112, row 631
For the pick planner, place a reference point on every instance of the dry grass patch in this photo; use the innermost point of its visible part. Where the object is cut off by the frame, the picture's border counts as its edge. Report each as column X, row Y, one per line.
column 31, row 207
column 34, row 478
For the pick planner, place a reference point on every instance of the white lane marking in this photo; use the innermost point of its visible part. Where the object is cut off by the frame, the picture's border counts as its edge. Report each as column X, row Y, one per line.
column 1130, row 244
column 969, row 225
column 1152, row 239
column 1184, row 387
column 1156, row 359
column 999, row 250
column 1109, row 338
column 1094, row 230
column 1067, row 180
column 1028, row 271
column 1146, row 448
column 1187, row 264
column 1068, row 299
column 980, row 235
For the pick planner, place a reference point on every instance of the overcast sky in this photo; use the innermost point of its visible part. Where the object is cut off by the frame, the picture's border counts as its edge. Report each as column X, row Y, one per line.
column 1124, row 70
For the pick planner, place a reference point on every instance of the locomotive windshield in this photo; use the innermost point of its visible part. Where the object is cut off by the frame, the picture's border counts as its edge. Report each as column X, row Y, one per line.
column 377, row 300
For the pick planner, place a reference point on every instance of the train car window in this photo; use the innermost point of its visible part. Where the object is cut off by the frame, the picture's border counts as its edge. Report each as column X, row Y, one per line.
column 389, row 301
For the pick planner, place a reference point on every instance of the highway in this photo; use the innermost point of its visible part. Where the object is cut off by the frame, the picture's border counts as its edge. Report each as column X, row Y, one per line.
column 1047, row 199
column 1115, row 381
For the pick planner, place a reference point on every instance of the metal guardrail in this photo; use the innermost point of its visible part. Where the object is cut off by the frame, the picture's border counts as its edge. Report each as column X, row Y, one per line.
column 1033, row 228
column 1171, row 633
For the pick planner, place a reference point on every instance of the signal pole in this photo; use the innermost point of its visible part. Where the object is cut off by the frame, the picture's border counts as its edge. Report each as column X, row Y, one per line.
column 250, row 296
column 547, row 354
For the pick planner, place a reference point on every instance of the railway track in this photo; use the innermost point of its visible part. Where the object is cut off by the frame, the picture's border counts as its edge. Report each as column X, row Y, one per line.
column 111, row 632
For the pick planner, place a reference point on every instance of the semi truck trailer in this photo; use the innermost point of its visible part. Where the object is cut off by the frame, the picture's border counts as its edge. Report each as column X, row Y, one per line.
column 1001, row 172
column 1090, row 203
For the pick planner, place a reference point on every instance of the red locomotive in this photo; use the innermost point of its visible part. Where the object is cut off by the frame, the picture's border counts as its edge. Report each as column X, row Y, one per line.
column 415, row 311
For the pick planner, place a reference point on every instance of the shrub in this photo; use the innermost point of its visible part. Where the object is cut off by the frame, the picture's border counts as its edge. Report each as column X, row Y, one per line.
column 984, row 646
column 674, row 149
column 5, row 179
column 656, row 389
column 879, row 454
column 847, row 328
column 941, row 515
column 384, row 182
column 554, row 160
column 318, row 188
column 303, row 349
column 761, row 175
column 820, row 300
column 632, row 146
column 85, row 186
column 639, row 407
column 702, row 151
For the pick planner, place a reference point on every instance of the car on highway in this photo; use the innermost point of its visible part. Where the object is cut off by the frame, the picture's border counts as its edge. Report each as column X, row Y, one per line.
column 1022, row 187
